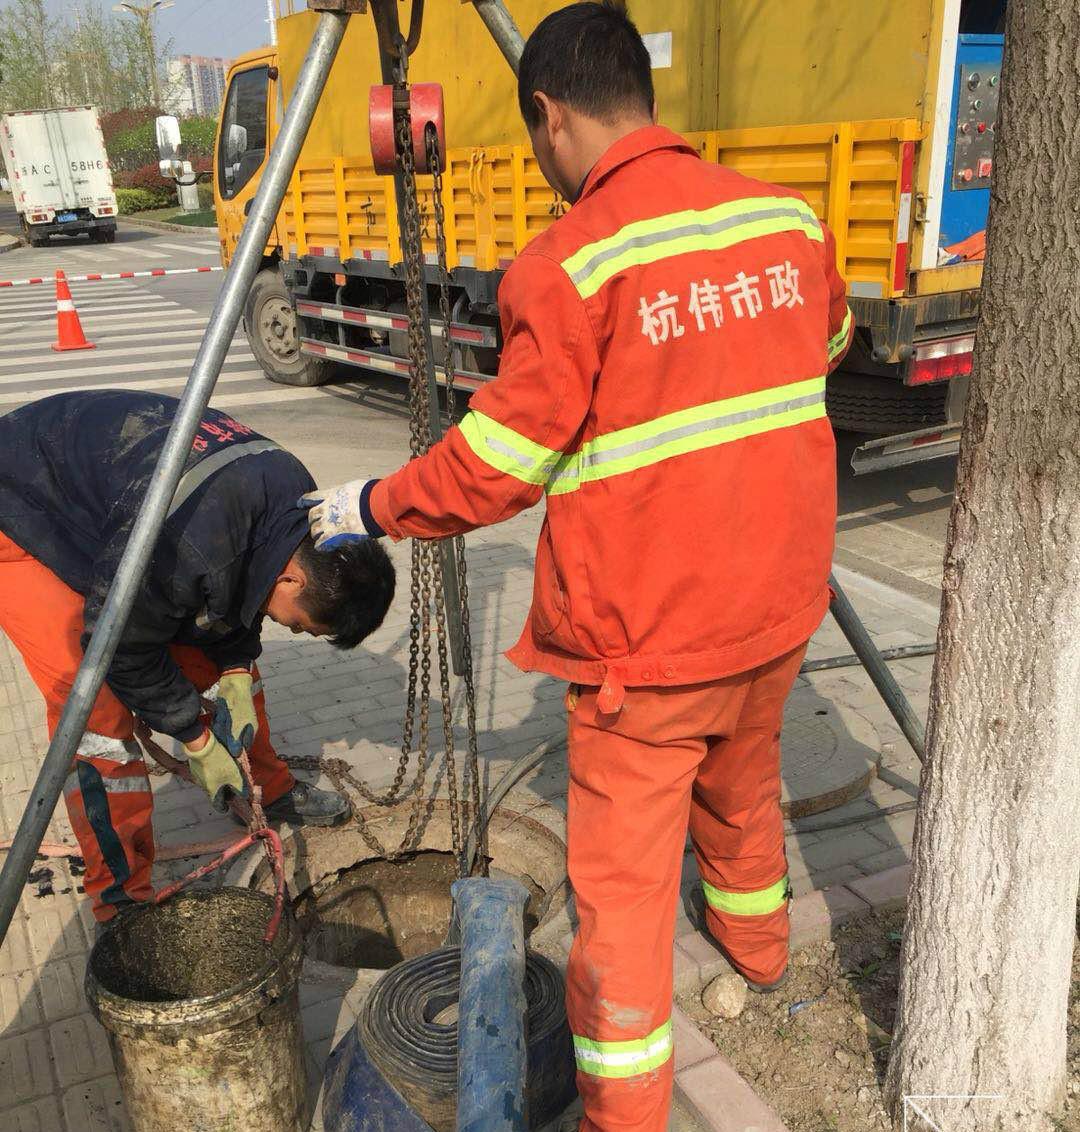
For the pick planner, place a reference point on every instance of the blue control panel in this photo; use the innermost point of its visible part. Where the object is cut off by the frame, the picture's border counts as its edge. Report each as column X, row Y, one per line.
column 970, row 164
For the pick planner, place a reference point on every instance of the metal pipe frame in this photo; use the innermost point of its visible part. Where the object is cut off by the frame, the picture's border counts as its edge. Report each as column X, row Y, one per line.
column 170, row 466
column 864, row 648
column 503, row 30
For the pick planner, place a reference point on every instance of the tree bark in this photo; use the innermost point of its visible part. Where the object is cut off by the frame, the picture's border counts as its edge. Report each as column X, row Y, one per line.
column 990, row 927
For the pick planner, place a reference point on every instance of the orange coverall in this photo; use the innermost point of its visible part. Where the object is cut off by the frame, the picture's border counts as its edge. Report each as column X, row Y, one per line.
column 107, row 794
column 662, row 382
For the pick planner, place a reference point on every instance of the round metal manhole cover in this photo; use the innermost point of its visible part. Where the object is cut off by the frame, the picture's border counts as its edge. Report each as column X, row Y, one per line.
column 830, row 752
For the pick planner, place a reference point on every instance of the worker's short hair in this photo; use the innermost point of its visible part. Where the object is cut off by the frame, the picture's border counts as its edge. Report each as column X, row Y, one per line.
column 348, row 589
column 589, row 56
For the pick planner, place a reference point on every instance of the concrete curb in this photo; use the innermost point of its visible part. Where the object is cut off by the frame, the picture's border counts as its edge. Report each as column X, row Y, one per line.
column 706, row 1081
column 9, row 243
column 165, row 226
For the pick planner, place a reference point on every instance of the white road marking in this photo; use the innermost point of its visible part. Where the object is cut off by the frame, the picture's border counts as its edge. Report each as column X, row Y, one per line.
column 67, row 374
column 228, row 377
column 192, row 247
column 91, row 308
column 148, row 349
column 91, row 326
column 106, row 340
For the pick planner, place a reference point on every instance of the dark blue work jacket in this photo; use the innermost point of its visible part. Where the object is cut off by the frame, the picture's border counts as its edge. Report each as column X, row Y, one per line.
column 74, row 469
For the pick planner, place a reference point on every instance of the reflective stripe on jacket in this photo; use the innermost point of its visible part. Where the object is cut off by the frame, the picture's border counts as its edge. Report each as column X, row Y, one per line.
column 662, row 381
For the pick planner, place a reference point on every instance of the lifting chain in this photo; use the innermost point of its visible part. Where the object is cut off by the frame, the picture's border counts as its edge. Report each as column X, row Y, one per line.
column 426, row 588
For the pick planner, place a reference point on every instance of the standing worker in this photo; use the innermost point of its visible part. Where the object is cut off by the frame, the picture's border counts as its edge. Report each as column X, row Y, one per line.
column 662, row 381
column 235, row 547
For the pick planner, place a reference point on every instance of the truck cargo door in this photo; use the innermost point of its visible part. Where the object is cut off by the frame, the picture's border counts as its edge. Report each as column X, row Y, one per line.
column 62, row 127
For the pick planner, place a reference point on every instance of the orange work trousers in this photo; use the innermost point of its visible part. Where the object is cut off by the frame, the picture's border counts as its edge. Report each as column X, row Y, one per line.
column 108, row 793
column 705, row 756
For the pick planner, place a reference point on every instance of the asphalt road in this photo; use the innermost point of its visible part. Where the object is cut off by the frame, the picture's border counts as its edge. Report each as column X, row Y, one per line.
column 892, row 524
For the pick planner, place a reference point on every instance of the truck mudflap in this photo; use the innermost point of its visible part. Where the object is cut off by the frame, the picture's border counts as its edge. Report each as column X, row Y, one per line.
column 906, row 448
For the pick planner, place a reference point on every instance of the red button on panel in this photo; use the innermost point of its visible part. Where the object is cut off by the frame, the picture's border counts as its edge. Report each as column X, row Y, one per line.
column 986, row 164
column 981, row 127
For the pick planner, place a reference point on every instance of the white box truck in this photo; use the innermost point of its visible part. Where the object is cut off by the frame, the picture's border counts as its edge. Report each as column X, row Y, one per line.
column 59, row 173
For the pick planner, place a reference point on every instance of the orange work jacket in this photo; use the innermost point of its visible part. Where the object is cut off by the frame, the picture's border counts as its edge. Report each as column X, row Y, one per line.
column 662, row 382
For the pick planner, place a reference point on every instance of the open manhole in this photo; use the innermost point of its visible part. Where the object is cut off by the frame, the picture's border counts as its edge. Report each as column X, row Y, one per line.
column 360, row 911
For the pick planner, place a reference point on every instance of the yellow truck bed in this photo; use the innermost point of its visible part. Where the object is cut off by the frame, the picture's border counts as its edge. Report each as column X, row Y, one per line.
column 496, row 199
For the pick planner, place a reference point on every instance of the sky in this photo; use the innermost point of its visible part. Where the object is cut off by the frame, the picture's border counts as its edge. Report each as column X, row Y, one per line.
column 197, row 27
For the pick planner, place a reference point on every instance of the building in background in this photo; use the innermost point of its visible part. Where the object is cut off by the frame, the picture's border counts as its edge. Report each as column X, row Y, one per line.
column 196, row 85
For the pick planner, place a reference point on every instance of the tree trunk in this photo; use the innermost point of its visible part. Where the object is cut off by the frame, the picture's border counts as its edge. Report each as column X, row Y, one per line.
column 990, row 927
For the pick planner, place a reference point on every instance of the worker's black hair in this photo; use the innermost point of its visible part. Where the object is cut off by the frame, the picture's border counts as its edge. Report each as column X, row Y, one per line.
column 589, row 56
column 348, row 589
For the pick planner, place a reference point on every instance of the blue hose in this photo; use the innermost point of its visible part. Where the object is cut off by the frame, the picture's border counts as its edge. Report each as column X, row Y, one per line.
column 490, row 917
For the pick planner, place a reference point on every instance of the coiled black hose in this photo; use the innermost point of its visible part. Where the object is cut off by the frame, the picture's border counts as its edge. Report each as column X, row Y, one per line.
column 417, row 1053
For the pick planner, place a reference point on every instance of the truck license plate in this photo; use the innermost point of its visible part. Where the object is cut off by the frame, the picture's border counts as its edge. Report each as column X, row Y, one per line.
column 64, row 217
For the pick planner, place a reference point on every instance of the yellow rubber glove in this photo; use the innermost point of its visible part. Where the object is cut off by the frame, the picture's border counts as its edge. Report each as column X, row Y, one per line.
column 235, row 723
column 214, row 769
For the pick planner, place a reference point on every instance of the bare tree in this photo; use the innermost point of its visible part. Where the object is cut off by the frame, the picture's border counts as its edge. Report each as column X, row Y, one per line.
column 28, row 74
column 990, row 927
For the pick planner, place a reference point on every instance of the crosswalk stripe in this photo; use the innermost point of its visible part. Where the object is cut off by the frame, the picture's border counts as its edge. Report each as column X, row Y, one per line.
column 83, row 302
column 227, row 378
column 201, row 249
column 67, row 374
column 147, row 350
column 90, row 308
column 229, row 400
column 96, row 319
column 106, row 339
column 45, row 331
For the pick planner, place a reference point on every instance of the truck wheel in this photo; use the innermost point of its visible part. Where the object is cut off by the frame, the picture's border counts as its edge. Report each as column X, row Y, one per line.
column 270, row 324
column 31, row 239
column 883, row 405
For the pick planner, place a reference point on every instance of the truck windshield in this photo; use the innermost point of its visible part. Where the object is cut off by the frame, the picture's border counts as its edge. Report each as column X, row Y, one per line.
column 242, row 145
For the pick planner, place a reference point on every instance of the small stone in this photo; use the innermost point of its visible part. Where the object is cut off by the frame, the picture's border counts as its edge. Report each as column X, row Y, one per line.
column 864, row 1096
column 828, row 947
column 842, row 1056
column 725, row 996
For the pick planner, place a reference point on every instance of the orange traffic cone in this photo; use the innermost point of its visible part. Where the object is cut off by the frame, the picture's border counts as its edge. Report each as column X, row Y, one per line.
column 69, row 331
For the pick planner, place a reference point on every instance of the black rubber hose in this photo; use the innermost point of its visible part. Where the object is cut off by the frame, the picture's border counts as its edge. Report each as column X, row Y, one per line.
column 898, row 704
column 850, row 660
column 498, row 792
column 417, row 1054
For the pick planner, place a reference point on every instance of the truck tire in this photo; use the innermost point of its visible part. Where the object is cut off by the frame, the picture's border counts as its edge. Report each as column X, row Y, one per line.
column 270, row 325
column 882, row 405
column 31, row 239
column 103, row 235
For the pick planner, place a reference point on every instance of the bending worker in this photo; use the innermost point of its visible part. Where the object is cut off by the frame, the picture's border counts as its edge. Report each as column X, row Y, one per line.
column 73, row 471
column 662, row 382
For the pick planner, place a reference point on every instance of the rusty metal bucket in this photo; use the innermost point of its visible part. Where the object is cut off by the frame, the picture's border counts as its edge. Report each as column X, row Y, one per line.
column 203, row 1016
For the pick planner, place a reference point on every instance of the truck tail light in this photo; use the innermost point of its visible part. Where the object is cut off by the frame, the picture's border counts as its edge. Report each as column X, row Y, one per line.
column 941, row 360
column 39, row 217
column 105, row 210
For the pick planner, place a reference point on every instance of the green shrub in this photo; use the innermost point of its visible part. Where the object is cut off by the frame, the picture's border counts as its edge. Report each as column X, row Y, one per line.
column 137, row 200
column 197, row 137
column 206, row 194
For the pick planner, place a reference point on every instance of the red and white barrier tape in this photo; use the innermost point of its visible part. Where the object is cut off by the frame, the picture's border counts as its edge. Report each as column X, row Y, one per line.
column 96, row 277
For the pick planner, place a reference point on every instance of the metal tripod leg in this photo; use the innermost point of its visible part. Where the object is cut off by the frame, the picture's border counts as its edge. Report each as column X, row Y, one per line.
column 224, row 320
column 864, row 648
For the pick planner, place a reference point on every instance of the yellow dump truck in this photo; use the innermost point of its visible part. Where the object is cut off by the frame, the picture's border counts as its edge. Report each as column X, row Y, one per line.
column 881, row 113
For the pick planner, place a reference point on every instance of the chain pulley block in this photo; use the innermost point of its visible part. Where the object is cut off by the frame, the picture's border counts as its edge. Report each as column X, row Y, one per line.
column 424, row 102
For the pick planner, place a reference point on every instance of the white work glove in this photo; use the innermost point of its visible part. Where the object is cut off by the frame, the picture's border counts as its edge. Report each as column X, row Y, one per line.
column 341, row 515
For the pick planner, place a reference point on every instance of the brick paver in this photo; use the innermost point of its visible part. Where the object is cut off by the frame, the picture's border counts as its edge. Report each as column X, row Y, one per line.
column 55, row 1074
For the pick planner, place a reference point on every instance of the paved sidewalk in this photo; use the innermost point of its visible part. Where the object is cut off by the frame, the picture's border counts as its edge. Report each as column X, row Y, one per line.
column 55, row 1071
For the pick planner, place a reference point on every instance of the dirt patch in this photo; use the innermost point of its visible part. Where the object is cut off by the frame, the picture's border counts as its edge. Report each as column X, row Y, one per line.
column 817, row 1049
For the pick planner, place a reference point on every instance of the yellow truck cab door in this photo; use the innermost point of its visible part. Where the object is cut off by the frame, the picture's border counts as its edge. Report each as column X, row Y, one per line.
column 244, row 138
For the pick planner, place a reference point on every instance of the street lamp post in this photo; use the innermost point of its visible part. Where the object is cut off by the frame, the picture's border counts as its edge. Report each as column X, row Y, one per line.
column 145, row 13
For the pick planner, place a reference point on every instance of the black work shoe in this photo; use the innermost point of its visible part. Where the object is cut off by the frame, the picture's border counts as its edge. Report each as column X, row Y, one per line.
column 767, row 988
column 305, row 804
